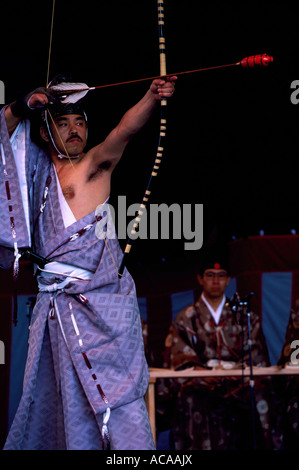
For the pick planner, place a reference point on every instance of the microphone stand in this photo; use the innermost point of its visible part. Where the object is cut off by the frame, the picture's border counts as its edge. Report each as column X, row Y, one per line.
column 246, row 304
column 243, row 306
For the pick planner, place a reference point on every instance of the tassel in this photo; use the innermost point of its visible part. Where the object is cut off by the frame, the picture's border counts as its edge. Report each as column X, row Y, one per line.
column 15, row 278
column 16, row 262
column 105, row 432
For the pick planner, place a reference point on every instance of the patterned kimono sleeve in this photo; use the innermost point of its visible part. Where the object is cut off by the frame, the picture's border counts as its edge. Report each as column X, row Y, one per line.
column 180, row 343
column 14, row 190
column 289, row 352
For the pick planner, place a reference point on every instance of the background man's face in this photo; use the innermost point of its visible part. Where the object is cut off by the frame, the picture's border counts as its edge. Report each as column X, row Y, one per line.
column 214, row 282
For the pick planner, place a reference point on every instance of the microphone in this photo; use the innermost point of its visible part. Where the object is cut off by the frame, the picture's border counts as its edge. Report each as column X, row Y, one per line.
column 237, row 304
column 247, row 298
column 234, row 301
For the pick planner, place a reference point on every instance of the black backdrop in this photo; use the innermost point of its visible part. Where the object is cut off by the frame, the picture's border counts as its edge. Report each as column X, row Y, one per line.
column 232, row 133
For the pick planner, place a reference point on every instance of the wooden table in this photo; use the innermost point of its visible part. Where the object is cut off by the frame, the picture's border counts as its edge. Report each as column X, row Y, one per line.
column 188, row 373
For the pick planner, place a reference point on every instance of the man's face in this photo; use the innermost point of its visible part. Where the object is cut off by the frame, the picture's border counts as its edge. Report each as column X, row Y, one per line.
column 214, row 282
column 69, row 134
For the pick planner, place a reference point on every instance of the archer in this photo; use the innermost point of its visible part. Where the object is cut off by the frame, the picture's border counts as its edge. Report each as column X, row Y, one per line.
column 86, row 371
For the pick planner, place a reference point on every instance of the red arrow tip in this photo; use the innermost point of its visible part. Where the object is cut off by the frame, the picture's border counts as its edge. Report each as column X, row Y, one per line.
column 254, row 60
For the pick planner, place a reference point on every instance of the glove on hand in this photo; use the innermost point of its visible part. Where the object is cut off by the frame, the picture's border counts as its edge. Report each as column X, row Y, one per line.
column 21, row 107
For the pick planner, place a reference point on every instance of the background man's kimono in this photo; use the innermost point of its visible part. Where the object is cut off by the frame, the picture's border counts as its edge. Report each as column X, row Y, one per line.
column 289, row 385
column 86, row 372
column 215, row 413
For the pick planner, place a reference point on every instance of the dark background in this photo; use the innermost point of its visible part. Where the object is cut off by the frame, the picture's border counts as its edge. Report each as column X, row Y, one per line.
column 232, row 133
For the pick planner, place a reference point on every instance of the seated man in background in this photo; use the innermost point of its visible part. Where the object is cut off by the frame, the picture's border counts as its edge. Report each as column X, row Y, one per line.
column 217, row 413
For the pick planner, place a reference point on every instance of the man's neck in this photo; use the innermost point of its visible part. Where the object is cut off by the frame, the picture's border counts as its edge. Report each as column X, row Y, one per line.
column 65, row 161
column 214, row 302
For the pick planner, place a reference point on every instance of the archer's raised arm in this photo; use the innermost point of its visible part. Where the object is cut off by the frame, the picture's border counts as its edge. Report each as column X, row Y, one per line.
column 133, row 121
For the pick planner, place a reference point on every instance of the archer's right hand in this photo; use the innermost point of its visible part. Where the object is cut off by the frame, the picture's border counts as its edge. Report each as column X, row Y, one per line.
column 37, row 99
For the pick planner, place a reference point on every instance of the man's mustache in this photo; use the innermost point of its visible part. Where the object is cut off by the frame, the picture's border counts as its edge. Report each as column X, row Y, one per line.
column 75, row 136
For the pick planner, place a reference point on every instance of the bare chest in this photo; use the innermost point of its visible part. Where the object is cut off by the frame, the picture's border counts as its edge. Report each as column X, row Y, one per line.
column 84, row 191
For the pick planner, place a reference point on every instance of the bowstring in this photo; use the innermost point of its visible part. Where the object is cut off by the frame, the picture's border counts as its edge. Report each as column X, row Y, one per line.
column 50, row 45
column 47, row 80
column 61, row 141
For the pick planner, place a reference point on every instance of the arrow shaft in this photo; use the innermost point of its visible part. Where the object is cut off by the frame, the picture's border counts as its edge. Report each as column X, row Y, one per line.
column 166, row 75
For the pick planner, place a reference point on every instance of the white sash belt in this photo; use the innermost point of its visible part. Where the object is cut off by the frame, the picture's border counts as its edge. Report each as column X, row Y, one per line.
column 71, row 274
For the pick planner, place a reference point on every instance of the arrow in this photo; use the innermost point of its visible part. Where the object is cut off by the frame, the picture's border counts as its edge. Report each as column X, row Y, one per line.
column 72, row 92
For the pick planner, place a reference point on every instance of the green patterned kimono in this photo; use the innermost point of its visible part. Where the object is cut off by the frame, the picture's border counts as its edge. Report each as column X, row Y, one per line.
column 215, row 413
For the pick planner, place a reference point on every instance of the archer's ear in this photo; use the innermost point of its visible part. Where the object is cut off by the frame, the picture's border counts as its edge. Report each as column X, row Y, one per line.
column 44, row 134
